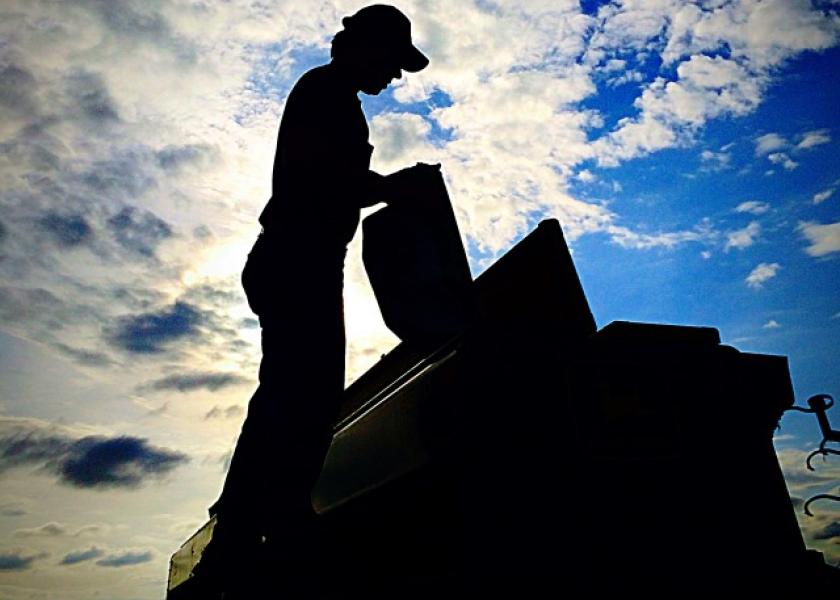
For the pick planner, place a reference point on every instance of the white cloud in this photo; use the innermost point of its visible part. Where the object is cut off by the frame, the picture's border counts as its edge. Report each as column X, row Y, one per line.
column 628, row 238
column 769, row 142
column 824, row 239
column 762, row 34
column 814, row 138
column 399, row 140
column 823, row 196
column 614, row 64
column 631, row 26
column 671, row 110
column 706, row 72
column 719, row 160
column 771, row 324
column 706, row 255
column 771, row 145
column 51, row 529
column 757, row 37
column 743, row 238
column 761, row 273
column 754, row 207
column 780, row 158
column 630, row 76
column 632, row 138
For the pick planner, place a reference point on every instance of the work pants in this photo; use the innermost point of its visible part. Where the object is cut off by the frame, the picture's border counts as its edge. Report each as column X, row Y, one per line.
column 288, row 428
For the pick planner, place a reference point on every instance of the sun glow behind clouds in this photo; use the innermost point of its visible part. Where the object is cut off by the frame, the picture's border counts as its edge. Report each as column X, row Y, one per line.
column 221, row 261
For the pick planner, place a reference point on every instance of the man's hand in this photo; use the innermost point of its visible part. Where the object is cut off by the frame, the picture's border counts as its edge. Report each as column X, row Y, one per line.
column 405, row 183
column 417, row 170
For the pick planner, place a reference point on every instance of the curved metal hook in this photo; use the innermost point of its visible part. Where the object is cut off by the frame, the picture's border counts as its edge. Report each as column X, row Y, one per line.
column 822, row 450
column 823, row 402
column 818, row 497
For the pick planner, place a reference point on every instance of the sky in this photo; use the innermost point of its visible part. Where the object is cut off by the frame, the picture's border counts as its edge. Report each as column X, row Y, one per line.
column 688, row 149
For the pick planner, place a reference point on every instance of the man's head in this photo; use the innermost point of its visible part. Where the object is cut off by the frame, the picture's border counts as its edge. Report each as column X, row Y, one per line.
column 376, row 42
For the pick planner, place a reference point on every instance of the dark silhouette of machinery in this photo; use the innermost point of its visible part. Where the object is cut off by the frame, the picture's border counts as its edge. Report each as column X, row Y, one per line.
column 532, row 452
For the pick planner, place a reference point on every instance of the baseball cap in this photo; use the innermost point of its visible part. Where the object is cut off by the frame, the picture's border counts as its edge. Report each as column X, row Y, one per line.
column 386, row 26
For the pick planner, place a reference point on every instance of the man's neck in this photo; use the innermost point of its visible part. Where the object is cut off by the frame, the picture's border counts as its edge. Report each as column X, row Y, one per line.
column 345, row 75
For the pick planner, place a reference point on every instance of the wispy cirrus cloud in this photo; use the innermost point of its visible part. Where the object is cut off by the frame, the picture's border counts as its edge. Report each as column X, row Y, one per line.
column 187, row 382
column 91, row 358
column 814, row 138
column 51, row 529
column 753, row 207
column 715, row 161
column 628, row 238
column 229, row 412
column 824, row 195
column 56, row 529
column 821, row 197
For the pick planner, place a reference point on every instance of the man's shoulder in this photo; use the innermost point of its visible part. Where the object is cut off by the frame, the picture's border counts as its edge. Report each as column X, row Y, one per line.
column 314, row 81
column 320, row 92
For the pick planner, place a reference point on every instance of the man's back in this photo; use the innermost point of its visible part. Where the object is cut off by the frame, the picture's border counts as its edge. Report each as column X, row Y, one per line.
column 322, row 148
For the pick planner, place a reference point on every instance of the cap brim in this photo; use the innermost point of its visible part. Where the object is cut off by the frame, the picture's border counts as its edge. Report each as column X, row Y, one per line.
column 413, row 60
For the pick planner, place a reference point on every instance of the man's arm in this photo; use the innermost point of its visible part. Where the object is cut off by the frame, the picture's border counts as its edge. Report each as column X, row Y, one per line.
column 374, row 189
column 396, row 187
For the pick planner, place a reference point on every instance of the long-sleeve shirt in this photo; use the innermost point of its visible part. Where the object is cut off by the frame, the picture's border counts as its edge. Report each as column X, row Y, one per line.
column 322, row 164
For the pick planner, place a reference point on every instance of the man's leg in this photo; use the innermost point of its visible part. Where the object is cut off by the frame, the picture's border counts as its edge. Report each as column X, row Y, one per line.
column 283, row 443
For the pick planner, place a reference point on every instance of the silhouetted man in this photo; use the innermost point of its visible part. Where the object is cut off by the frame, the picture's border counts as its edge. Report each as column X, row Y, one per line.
column 294, row 279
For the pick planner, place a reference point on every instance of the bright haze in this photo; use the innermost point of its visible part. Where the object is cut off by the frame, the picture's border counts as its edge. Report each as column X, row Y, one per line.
column 689, row 150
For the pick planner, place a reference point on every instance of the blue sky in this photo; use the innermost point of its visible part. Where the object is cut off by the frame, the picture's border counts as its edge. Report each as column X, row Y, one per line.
column 689, row 150
column 677, row 189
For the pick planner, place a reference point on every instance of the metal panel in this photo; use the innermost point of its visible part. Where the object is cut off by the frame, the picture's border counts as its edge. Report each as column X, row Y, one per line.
column 184, row 560
column 385, row 438
column 417, row 266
